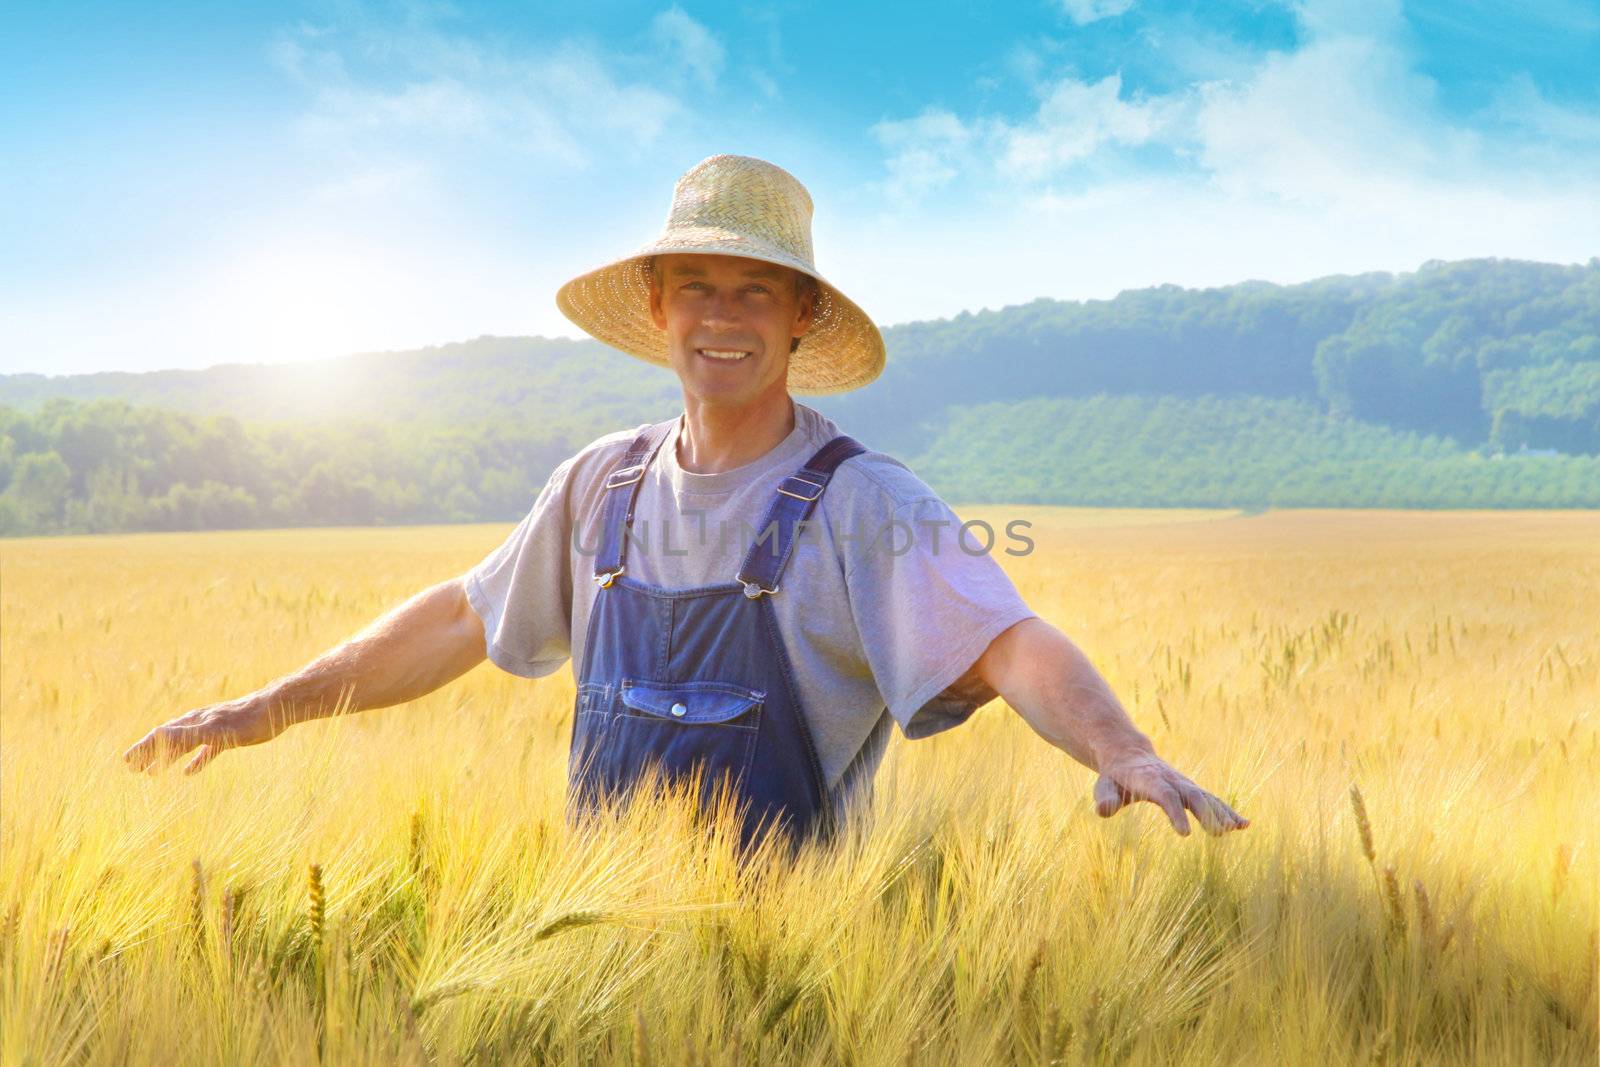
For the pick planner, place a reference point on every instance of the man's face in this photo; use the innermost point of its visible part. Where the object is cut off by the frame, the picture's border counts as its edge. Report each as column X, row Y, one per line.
column 729, row 323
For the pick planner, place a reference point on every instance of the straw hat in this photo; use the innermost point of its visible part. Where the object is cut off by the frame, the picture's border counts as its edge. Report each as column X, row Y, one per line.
column 733, row 206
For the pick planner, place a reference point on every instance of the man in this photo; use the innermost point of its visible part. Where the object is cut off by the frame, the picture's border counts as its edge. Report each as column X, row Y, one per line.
column 773, row 664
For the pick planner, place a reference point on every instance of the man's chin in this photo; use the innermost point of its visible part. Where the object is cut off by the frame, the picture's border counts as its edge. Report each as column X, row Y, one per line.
column 721, row 394
column 701, row 376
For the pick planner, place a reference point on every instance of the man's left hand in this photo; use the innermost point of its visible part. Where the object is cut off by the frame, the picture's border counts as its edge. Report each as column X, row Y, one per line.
column 1145, row 776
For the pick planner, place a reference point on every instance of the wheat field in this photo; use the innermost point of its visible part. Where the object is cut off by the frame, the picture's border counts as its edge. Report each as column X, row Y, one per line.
column 1404, row 704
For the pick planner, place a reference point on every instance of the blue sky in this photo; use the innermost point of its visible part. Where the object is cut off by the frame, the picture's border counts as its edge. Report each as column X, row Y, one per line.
column 190, row 184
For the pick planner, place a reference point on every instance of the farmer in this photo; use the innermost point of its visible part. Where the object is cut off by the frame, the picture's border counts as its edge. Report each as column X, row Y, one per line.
column 747, row 594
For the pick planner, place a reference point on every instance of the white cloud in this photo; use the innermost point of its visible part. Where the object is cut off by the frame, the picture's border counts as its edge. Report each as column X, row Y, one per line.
column 1372, row 19
column 1074, row 121
column 928, row 151
column 1520, row 103
column 1344, row 121
column 1084, row 12
column 565, row 103
column 694, row 45
column 440, row 106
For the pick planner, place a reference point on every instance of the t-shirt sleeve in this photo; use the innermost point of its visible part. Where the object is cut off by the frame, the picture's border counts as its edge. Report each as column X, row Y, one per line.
column 926, row 606
column 522, row 591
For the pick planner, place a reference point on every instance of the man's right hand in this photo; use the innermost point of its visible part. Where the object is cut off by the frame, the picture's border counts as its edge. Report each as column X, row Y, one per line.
column 429, row 640
column 211, row 729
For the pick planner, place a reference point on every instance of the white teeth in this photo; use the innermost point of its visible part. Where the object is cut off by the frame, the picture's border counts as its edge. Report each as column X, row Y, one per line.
column 728, row 354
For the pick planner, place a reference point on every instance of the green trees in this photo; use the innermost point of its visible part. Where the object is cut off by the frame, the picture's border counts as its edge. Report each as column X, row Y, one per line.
column 1435, row 352
column 1555, row 404
column 39, row 488
column 107, row 465
column 1227, row 452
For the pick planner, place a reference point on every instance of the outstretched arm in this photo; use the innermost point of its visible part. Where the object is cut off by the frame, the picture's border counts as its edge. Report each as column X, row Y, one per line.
column 429, row 640
column 1052, row 685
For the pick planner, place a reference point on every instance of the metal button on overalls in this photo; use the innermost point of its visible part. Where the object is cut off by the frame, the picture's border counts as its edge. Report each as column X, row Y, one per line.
column 696, row 680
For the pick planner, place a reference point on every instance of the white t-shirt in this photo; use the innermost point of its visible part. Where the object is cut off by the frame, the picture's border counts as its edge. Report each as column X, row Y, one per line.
column 883, row 606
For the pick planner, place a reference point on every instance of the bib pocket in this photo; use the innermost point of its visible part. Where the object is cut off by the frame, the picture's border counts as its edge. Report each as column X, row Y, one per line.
column 695, row 703
column 676, row 728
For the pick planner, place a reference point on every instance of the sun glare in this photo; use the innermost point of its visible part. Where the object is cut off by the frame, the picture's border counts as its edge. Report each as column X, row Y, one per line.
column 308, row 299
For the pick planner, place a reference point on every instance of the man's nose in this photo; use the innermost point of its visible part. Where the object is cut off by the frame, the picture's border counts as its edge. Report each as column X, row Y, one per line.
column 722, row 311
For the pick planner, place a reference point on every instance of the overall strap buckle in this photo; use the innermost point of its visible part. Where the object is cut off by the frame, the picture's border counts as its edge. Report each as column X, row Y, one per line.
column 616, row 509
column 797, row 495
column 796, row 486
column 625, row 476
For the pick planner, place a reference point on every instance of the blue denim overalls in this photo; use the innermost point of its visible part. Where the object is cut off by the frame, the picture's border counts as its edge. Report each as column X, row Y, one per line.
column 686, row 679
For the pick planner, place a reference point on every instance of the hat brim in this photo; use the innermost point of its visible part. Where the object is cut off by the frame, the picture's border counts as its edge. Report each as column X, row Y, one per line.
column 841, row 350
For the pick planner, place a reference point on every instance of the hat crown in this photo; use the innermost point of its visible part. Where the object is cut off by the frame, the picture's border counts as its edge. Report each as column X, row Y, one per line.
column 745, row 196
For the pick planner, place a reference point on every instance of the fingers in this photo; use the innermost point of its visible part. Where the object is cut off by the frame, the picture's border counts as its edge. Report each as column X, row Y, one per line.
column 1170, row 791
column 160, row 747
column 1215, row 816
column 1171, row 802
column 1109, row 797
column 203, row 729
column 206, row 754
column 135, row 757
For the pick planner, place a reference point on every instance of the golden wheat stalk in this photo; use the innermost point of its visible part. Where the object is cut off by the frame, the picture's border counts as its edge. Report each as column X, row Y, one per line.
column 1363, row 826
column 8, row 935
column 1558, row 879
column 1397, row 905
column 414, row 853
column 317, row 912
column 1425, row 917
column 641, row 1056
column 230, row 912
column 55, row 955
column 197, row 905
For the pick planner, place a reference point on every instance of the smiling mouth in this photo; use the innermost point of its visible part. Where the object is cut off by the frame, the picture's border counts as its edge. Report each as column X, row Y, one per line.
column 723, row 355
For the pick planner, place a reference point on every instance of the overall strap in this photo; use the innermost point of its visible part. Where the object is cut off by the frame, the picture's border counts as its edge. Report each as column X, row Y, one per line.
column 797, row 495
column 622, row 490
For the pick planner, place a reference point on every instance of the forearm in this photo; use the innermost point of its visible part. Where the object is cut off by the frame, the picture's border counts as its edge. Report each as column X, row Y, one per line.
column 1050, row 682
column 429, row 640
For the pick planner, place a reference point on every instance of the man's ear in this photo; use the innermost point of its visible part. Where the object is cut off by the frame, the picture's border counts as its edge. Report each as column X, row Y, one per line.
column 807, row 311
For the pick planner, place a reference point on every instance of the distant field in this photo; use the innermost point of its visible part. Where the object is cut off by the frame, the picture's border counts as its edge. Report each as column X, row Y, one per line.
column 1446, row 663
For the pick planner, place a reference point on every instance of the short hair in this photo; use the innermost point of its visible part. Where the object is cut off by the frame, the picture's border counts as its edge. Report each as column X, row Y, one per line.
column 804, row 284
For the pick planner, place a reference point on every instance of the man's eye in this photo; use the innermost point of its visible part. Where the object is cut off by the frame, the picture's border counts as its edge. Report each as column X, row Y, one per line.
column 760, row 289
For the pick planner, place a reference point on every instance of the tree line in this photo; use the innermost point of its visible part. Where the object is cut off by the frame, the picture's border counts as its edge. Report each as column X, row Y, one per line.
column 107, row 466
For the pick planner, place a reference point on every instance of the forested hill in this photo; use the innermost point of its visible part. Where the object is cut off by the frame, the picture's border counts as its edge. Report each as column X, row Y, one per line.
column 1482, row 351
column 1370, row 389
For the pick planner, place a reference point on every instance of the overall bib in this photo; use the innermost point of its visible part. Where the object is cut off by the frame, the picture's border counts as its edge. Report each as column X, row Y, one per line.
column 685, row 681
